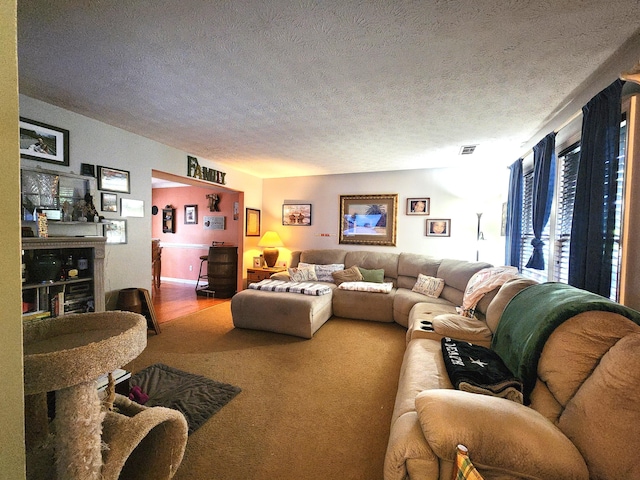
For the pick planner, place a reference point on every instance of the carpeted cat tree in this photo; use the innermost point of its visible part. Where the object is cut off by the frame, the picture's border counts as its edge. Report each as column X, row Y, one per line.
column 89, row 439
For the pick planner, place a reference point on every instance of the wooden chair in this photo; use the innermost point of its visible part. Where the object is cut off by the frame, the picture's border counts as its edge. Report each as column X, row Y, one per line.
column 156, row 262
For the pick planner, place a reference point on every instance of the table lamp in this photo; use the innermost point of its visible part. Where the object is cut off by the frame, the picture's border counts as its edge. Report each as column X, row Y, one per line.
column 270, row 240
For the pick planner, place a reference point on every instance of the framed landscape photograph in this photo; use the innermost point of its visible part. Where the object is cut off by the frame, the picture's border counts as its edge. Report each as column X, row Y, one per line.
column 252, row 226
column 191, row 214
column 368, row 219
column 113, row 180
column 296, row 214
column 109, row 202
column 44, row 143
column 116, row 231
column 418, row 206
column 439, row 227
column 131, row 208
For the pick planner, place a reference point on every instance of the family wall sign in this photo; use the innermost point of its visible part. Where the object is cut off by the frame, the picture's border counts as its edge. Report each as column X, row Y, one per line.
column 203, row 173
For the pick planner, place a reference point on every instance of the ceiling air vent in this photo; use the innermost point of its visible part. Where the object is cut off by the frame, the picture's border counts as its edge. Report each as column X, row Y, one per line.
column 467, row 149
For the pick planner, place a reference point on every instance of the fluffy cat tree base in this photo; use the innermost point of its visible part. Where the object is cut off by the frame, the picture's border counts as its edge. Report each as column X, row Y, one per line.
column 87, row 440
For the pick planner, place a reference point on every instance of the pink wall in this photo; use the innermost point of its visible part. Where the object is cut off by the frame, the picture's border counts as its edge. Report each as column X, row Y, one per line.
column 183, row 248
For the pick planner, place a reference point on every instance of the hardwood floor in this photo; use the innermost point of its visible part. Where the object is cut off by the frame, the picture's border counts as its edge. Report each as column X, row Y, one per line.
column 173, row 300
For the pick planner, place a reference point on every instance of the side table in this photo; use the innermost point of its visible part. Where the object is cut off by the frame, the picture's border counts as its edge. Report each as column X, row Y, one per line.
column 255, row 275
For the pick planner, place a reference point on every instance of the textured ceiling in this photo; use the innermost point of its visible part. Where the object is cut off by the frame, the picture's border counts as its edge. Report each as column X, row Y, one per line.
column 284, row 88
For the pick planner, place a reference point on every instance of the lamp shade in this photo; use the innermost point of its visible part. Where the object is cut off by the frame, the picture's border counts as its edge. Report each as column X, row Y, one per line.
column 269, row 241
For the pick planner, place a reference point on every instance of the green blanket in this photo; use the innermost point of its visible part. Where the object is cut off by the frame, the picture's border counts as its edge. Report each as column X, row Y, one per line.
column 533, row 314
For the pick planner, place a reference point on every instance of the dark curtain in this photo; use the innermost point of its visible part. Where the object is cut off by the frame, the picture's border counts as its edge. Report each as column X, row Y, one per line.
column 592, row 230
column 544, row 167
column 514, row 215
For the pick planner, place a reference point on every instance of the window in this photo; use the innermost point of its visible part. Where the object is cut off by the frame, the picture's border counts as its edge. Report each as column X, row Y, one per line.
column 559, row 226
column 568, row 172
column 526, row 249
column 617, row 233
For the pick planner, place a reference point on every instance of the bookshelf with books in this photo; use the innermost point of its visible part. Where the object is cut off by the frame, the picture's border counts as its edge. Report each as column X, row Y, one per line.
column 62, row 275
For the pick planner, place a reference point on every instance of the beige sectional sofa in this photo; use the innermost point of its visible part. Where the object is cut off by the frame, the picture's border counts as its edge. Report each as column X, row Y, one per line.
column 582, row 395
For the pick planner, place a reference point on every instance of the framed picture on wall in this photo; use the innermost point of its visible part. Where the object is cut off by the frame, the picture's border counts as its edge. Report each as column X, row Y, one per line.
column 109, row 202
column 252, row 226
column 116, row 231
column 131, row 208
column 113, row 180
column 418, row 206
column 191, row 214
column 368, row 219
column 439, row 227
column 44, row 143
column 296, row 214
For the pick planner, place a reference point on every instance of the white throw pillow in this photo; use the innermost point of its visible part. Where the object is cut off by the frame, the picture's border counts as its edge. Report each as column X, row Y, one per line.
column 429, row 286
column 323, row 272
column 303, row 274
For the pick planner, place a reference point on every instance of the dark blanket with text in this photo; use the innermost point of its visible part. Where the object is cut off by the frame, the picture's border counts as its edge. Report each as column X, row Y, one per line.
column 477, row 369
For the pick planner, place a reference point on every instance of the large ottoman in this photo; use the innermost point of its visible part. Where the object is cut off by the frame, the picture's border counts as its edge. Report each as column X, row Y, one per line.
column 290, row 313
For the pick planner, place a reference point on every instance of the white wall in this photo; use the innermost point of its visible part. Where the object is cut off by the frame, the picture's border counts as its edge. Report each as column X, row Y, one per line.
column 455, row 194
column 96, row 143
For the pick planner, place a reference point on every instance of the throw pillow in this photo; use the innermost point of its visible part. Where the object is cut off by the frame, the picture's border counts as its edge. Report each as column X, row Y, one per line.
column 373, row 276
column 429, row 286
column 323, row 272
column 284, row 276
column 303, row 274
column 351, row 274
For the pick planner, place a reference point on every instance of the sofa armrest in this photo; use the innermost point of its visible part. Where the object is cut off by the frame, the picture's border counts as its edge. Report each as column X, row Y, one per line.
column 451, row 325
column 501, row 435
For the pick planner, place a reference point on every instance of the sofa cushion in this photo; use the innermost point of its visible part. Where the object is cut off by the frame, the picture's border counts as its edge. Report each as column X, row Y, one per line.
column 318, row 256
column 324, row 271
column 412, row 264
column 503, row 297
column 456, row 274
column 374, row 260
column 373, row 276
column 405, row 300
column 351, row 274
column 429, row 286
column 376, row 307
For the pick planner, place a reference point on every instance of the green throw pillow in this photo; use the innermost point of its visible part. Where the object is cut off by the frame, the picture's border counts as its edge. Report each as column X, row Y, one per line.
column 374, row 276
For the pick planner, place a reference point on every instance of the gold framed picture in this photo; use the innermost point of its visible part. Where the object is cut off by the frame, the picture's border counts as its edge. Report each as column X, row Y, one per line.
column 368, row 219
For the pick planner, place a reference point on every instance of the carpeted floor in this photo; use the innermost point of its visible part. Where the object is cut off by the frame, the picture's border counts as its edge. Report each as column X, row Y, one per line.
column 309, row 409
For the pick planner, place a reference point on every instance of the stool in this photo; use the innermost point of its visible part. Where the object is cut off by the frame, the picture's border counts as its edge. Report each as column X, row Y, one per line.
column 201, row 276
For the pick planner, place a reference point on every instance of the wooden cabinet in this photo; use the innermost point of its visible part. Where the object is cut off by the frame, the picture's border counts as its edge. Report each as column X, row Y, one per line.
column 255, row 275
column 222, row 271
column 62, row 275
column 168, row 220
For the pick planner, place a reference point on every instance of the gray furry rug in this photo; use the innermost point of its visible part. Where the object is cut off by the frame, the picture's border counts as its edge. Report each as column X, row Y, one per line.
column 197, row 397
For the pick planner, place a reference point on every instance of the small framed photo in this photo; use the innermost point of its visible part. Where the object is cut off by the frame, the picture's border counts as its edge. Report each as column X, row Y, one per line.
column 191, row 214
column 131, row 208
column 439, row 227
column 252, row 226
column 418, row 206
column 109, row 202
column 88, row 169
column 257, row 262
column 296, row 214
column 44, row 143
column 113, row 180
column 116, row 231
